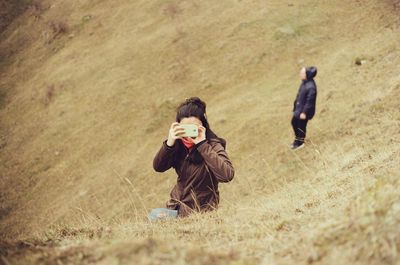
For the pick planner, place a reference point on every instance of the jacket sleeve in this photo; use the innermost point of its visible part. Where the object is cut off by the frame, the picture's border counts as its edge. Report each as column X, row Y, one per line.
column 217, row 161
column 310, row 99
column 165, row 157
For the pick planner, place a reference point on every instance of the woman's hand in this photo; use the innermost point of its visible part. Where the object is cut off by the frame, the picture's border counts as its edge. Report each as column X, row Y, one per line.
column 201, row 137
column 175, row 132
column 303, row 116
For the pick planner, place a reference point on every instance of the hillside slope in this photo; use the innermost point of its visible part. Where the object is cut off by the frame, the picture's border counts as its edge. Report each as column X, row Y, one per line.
column 87, row 93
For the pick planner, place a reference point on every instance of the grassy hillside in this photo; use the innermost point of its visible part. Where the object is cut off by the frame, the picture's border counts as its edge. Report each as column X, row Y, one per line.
column 87, row 93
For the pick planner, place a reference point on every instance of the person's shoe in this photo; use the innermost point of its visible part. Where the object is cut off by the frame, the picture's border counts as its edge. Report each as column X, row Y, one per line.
column 297, row 145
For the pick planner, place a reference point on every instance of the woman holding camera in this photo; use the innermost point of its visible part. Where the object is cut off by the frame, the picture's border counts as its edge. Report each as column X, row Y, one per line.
column 200, row 162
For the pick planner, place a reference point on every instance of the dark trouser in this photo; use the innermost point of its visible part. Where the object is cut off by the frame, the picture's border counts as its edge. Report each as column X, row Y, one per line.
column 300, row 129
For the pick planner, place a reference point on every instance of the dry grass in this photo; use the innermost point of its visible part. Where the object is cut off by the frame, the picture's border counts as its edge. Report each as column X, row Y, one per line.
column 83, row 114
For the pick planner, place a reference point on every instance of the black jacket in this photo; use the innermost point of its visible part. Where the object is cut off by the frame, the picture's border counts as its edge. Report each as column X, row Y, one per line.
column 307, row 96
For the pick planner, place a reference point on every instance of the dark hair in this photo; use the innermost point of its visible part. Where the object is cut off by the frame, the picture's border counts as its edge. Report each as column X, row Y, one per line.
column 195, row 107
column 311, row 72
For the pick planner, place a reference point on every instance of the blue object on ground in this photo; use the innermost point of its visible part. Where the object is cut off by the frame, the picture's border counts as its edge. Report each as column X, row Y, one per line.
column 162, row 213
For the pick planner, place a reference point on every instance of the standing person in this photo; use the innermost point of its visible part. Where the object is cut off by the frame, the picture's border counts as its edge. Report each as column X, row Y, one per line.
column 304, row 105
column 201, row 163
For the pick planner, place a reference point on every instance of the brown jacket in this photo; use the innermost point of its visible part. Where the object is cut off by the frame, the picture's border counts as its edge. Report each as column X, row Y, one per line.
column 199, row 172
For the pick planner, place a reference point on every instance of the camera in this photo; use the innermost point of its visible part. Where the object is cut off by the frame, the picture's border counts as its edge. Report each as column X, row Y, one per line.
column 191, row 130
